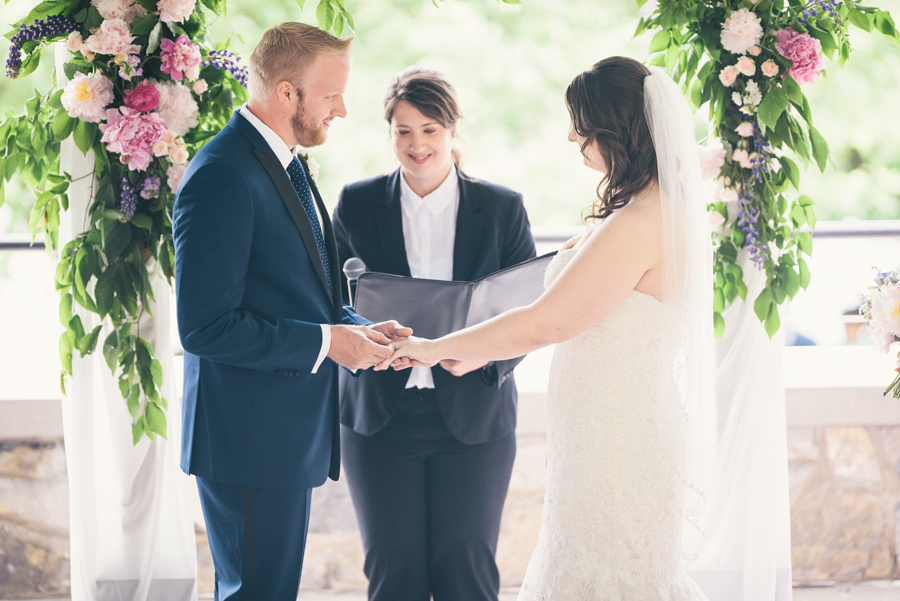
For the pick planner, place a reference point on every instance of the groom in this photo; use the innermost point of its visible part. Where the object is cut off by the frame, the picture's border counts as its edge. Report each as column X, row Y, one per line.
column 258, row 292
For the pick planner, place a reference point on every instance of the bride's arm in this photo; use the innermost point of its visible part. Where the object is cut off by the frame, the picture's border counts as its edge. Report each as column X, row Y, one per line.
column 612, row 261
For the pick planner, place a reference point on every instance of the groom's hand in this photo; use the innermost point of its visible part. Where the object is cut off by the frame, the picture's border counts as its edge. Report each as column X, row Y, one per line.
column 393, row 330
column 358, row 347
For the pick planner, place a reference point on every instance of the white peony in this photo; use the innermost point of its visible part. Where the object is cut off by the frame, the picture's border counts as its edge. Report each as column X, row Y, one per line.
column 86, row 97
column 177, row 107
column 886, row 309
column 741, row 31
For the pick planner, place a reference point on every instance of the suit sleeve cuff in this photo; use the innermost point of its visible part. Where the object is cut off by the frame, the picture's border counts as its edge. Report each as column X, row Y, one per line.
column 326, row 346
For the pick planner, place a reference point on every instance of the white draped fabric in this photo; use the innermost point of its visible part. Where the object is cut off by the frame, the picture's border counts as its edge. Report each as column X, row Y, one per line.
column 131, row 534
column 746, row 555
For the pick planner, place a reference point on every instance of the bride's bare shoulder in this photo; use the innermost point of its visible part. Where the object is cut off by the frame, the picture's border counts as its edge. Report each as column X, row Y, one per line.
column 641, row 218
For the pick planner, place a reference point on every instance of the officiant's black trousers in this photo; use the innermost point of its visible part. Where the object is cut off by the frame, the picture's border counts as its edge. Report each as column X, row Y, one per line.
column 428, row 505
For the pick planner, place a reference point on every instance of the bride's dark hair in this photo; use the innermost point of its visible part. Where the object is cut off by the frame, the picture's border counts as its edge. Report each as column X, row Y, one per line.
column 606, row 105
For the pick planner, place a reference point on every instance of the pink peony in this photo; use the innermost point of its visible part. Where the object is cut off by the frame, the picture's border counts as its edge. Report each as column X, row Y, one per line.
column 178, row 154
column 179, row 56
column 160, row 148
column 74, row 42
column 770, row 68
column 741, row 31
column 803, row 51
column 177, row 107
column 131, row 133
column 174, row 175
column 86, row 97
column 728, row 75
column 127, row 10
column 886, row 309
column 745, row 129
column 112, row 38
column 716, row 218
column 175, row 10
column 746, row 66
column 712, row 159
column 144, row 97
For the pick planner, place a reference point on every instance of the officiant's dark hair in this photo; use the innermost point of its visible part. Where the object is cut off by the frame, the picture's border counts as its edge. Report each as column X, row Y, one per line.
column 432, row 95
column 606, row 104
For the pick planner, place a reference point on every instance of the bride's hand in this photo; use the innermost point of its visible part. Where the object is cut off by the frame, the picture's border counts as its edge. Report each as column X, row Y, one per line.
column 417, row 351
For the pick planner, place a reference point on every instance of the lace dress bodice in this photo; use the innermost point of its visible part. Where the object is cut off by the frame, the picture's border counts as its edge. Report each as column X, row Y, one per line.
column 610, row 528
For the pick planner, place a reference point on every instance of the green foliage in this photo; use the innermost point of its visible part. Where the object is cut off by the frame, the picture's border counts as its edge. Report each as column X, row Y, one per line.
column 104, row 269
column 774, row 229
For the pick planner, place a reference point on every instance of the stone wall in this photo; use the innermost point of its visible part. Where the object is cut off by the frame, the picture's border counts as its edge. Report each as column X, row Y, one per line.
column 845, row 502
column 845, row 513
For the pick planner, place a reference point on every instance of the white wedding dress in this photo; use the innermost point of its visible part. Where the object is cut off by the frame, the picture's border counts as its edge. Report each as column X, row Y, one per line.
column 611, row 529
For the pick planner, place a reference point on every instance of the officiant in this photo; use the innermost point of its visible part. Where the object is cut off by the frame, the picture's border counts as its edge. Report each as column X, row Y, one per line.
column 428, row 452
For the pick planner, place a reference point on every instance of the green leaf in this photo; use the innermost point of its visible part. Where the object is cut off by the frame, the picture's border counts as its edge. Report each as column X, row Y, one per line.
column 87, row 343
column 772, row 106
column 157, row 372
column 805, row 243
column 791, row 282
column 117, row 240
column 104, row 291
column 65, row 309
column 805, row 276
column 156, row 419
column 772, row 320
column 325, row 15
column 143, row 221
column 790, row 169
column 866, row 22
column 84, row 135
column 810, row 216
column 154, row 39
column 660, row 41
column 718, row 325
column 798, row 216
column 718, row 300
column 819, row 148
column 144, row 24
column 762, row 303
column 137, row 431
column 110, row 345
column 338, row 24
column 133, row 402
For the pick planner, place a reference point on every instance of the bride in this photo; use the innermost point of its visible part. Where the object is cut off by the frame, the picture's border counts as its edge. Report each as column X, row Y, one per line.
column 628, row 305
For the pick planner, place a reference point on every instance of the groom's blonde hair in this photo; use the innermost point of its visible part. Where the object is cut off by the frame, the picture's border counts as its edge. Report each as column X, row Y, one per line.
column 284, row 53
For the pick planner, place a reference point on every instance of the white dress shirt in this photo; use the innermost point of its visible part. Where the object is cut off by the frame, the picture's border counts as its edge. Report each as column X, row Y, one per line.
column 285, row 155
column 429, row 232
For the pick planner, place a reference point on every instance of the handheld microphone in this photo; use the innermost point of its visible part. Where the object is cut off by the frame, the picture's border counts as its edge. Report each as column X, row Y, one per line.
column 353, row 268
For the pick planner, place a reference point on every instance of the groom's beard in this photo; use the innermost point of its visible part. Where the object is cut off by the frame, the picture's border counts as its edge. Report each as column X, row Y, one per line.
column 307, row 134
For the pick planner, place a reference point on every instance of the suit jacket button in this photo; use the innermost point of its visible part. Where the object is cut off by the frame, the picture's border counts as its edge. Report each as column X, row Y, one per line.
column 277, row 372
column 296, row 373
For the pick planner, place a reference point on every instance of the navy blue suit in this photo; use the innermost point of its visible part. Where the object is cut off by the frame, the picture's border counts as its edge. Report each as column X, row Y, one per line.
column 260, row 429
column 429, row 470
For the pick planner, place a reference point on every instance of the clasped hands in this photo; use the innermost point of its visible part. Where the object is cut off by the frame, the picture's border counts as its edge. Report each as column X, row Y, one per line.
column 389, row 344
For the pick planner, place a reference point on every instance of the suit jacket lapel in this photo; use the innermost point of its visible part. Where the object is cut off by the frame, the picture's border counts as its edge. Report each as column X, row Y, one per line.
column 389, row 221
column 469, row 225
column 331, row 245
column 295, row 208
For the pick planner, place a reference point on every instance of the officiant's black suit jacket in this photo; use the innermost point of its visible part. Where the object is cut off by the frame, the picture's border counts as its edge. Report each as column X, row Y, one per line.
column 492, row 233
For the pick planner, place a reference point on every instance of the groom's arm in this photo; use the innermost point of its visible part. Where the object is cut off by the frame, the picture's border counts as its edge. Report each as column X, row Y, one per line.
column 212, row 228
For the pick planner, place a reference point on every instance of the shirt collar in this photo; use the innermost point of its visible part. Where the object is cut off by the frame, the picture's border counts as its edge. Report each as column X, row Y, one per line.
column 438, row 200
column 275, row 142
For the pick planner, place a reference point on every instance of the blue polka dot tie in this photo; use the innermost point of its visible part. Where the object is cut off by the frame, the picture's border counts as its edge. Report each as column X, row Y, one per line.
column 301, row 185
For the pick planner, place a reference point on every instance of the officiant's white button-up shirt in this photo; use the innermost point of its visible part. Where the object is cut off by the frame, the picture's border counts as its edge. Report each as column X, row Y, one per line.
column 429, row 232
column 285, row 156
